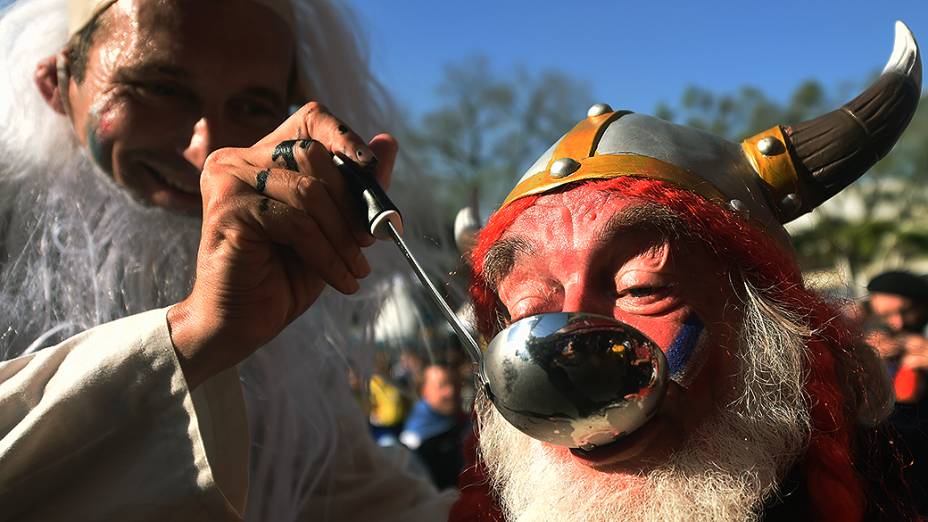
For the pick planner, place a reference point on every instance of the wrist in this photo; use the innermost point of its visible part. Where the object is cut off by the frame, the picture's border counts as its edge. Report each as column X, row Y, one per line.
column 190, row 341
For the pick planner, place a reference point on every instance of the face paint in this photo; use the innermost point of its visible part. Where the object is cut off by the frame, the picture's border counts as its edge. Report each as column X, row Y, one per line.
column 97, row 130
column 683, row 346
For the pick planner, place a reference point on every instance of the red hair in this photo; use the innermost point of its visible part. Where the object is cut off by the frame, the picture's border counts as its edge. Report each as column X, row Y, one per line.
column 832, row 482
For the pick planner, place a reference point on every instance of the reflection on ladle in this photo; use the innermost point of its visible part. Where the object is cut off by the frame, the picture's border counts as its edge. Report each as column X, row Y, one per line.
column 574, row 379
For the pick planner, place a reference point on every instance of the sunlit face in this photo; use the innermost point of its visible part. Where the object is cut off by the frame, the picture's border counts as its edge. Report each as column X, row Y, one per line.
column 167, row 82
column 898, row 313
column 439, row 390
column 593, row 251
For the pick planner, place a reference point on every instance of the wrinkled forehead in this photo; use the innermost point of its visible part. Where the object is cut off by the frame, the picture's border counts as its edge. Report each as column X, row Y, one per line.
column 581, row 218
column 185, row 27
column 195, row 36
column 591, row 211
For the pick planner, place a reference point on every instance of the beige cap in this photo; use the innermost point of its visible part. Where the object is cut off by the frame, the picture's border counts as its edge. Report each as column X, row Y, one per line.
column 81, row 12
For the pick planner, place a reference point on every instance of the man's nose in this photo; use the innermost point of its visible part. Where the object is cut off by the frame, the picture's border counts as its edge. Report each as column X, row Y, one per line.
column 201, row 143
column 894, row 321
column 210, row 132
column 583, row 296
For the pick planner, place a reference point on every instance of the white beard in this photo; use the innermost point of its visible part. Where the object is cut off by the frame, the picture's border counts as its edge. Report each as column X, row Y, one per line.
column 726, row 470
column 81, row 254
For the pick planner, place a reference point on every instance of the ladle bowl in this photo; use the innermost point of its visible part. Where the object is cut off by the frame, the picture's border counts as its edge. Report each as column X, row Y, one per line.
column 574, row 379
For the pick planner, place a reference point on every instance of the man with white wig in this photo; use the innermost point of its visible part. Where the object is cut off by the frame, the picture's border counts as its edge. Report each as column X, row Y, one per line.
column 141, row 270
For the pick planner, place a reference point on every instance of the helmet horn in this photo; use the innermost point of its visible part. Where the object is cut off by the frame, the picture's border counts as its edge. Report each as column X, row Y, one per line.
column 833, row 150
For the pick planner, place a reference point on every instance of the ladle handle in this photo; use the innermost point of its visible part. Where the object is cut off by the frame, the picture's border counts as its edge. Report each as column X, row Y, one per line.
column 380, row 210
column 384, row 222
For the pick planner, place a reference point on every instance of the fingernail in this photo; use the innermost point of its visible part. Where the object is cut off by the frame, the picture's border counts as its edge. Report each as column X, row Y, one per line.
column 365, row 155
column 361, row 267
column 351, row 285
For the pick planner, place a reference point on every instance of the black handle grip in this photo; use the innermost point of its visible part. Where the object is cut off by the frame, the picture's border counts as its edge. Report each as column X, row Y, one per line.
column 380, row 210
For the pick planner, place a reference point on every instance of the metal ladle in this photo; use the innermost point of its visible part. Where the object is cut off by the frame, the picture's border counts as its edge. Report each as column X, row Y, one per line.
column 576, row 380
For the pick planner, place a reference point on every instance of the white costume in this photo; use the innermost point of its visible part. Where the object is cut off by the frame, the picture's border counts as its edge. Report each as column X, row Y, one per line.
column 102, row 426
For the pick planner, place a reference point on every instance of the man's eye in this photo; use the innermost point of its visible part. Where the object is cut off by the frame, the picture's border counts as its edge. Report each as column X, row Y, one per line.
column 527, row 306
column 647, row 300
column 256, row 110
column 160, row 91
column 642, row 291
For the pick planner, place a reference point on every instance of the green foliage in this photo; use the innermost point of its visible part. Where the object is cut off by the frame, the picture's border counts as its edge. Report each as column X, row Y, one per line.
column 745, row 112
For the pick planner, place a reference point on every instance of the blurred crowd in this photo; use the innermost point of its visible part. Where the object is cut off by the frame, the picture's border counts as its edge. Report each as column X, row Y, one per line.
column 422, row 402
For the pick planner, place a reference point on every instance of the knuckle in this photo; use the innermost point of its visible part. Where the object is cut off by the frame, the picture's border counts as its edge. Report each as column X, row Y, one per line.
column 219, row 157
column 315, row 107
column 215, row 222
column 302, row 187
column 210, row 184
column 235, row 237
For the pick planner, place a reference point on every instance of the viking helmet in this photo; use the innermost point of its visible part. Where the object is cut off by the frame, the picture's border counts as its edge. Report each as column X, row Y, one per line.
column 772, row 177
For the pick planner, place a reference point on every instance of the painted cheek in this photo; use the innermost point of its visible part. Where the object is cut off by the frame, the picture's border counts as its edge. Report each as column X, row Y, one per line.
column 662, row 330
column 98, row 147
column 100, row 132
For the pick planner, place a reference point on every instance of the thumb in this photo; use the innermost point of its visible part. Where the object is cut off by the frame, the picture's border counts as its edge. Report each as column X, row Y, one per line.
column 385, row 149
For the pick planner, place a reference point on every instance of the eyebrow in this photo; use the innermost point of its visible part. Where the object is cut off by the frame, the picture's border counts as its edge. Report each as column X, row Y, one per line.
column 154, row 69
column 502, row 256
column 648, row 217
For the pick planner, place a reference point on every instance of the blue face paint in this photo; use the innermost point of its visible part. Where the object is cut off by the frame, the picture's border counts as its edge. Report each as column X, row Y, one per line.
column 97, row 152
column 682, row 346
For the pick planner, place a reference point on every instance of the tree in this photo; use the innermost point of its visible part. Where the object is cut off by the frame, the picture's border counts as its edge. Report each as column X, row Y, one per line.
column 490, row 126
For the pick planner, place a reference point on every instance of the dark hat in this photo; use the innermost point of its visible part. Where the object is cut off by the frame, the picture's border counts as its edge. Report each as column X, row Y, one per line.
column 899, row 282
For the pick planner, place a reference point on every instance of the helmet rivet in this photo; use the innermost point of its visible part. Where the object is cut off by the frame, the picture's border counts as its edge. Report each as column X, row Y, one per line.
column 790, row 203
column 598, row 109
column 770, row 146
column 738, row 206
column 564, row 167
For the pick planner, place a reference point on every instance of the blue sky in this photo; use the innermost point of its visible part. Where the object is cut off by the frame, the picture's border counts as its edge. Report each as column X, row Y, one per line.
column 637, row 54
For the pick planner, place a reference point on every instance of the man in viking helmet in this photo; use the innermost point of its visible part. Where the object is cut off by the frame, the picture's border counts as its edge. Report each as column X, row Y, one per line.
column 121, row 392
column 771, row 403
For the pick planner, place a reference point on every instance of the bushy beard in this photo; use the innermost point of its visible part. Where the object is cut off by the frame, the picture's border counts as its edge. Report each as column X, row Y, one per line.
column 79, row 253
column 725, row 471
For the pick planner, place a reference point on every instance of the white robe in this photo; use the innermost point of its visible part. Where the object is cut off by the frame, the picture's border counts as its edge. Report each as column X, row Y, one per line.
column 103, row 427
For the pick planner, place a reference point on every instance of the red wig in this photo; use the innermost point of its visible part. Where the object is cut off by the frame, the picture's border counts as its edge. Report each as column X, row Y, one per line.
column 833, row 485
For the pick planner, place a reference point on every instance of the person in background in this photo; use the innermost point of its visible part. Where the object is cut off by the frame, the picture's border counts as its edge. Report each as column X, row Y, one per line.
column 895, row 316
column 436, row 427
column 388, row 404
